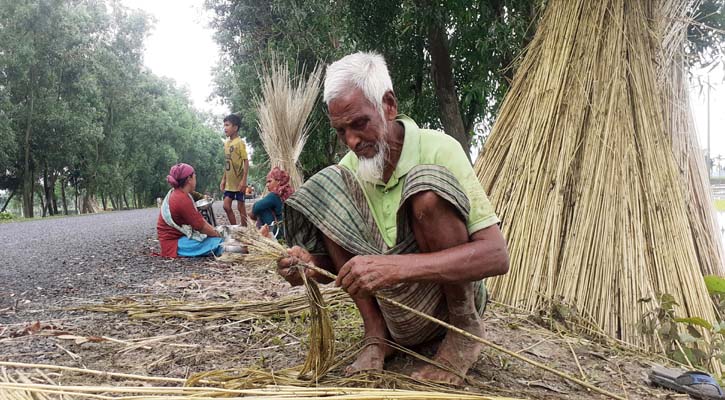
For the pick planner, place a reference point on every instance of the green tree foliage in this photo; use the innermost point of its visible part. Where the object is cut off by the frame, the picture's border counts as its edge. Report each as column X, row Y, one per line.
column 78, row 109
column 451, row 60
column 303, row 33
column 706, row 35
column 471, row 43
column 478, row 40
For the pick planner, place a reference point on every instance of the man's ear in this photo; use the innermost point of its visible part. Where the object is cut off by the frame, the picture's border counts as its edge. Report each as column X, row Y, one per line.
column 390, row 105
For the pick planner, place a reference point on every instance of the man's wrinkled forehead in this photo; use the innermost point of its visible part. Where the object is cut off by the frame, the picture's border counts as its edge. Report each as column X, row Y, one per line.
column 351, row 102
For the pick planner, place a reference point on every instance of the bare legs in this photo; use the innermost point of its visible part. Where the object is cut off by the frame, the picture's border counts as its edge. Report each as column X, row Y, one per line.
column 438, row 226
column 373, row 354
column 230, row 212
column 242, row 213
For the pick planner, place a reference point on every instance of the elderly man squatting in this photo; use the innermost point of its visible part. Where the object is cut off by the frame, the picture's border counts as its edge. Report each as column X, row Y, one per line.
column 402, row 215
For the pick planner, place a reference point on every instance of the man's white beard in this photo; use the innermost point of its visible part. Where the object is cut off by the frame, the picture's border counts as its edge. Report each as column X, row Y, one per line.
column 371, row 169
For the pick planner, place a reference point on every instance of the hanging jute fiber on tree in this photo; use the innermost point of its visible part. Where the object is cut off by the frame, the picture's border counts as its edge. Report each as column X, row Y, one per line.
column 580, row 167
column 283, row 111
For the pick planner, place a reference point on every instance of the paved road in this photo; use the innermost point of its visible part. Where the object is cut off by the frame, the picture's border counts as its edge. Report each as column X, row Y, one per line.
column 57, row 260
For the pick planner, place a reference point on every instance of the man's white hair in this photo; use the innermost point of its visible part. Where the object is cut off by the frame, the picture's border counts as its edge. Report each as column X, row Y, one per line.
column 366, row 71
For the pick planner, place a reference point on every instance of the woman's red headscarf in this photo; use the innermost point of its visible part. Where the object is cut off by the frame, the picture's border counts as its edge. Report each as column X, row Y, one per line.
column 284, row 190
column 178, row 174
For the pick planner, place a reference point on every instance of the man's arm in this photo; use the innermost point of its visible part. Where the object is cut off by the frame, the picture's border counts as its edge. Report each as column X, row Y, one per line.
column 483, row 256
column 223, row 183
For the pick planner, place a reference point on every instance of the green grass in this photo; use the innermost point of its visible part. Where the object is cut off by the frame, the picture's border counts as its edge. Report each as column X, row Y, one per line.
column 38, row 218
column 720, row 205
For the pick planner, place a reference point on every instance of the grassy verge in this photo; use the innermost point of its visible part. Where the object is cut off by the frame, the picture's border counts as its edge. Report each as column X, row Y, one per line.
column 23, row 219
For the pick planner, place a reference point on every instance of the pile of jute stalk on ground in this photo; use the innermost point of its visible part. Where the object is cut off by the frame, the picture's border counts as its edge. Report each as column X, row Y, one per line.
column 36, row 382
column 581, row 170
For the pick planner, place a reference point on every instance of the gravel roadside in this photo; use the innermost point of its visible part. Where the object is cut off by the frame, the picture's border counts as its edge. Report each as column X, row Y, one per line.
column 53, row 262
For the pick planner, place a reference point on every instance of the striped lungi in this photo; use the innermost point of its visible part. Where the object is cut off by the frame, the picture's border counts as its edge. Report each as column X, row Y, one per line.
column 333, row 204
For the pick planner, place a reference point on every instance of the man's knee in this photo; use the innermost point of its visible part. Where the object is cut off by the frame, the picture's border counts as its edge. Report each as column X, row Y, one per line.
column 227, row 207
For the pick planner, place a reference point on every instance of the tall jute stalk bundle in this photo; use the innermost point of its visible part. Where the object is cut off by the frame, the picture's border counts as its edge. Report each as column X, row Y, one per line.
column 581, row 170
column 283, row 110
column 685, row 147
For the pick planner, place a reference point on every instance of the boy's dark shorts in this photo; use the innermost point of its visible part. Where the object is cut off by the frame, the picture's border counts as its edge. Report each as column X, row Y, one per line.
column 238, row 196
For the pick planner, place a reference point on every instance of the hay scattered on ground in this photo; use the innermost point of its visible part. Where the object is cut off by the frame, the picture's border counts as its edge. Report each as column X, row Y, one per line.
column 291, row 306
column 37, row 384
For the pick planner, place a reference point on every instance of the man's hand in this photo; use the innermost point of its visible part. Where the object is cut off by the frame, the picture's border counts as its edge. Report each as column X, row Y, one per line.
column 363, row 275
column 287, row 267
column 222, row 185
column 242, row 187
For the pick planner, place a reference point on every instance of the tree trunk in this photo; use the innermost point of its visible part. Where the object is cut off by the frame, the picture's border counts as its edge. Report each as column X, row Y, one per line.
column 62, row 194
column 8, row 201
column 77, row 204
column 27, row 174
column 32, row 193
column 103, row 201
column 41, row 197
column 443, row 82
column 48, row 189
column 113, row 203
column 54, row 197
column 89, row 204
column 125, row 200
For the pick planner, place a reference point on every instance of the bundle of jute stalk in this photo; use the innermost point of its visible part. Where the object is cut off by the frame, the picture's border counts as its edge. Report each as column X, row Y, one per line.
column 206, row 310
column 263, row 252
column 283, row 111
column 580, row 168
column 679, row 124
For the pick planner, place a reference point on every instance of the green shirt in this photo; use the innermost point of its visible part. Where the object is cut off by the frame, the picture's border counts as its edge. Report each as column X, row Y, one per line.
column 424, row 146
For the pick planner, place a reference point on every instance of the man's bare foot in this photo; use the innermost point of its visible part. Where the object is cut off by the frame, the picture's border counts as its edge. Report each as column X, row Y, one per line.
column 371, row 357
column 456, row 351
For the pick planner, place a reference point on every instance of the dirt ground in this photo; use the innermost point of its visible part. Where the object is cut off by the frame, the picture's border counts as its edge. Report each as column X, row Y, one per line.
column 61, row 337
column 50, row 329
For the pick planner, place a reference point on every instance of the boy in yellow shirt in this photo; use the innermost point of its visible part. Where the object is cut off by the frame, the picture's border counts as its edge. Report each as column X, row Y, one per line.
column 236, row 167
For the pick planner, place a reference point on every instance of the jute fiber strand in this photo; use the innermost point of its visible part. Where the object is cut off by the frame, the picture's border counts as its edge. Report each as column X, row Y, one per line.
column 38, row 385
column 680, row 127
column 283, row 110
column 293, row 305
column 582, row 173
